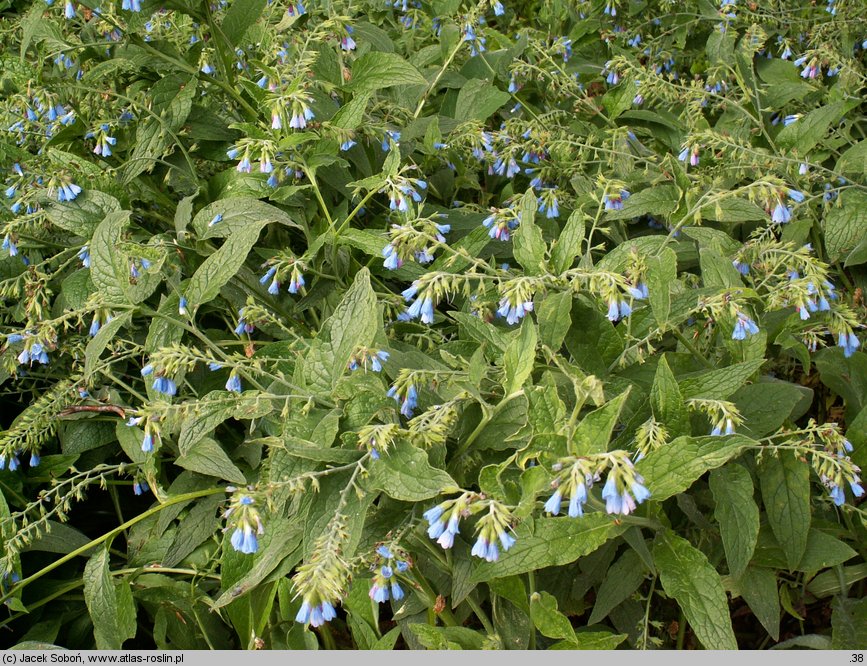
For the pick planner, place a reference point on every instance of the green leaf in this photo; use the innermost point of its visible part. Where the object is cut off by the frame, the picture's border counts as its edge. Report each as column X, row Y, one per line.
column 350, row 116
column 854, row 160
column 591, row 640
column 353, row 324
column 520, row 357
column 802, row 135
column 211, row 410
column 737, row 514
column 846, row 225
column 404, row 473
column 110, row 629
column 282, row 539
column 554, row 315
column 766, row 405
column 849, row 624
column 719, row 383
column 552, row 542
column 221, row 266
column 673, row 468
column 207, row 457
column 828, row 583
column 238, row 213
column 99, row 342
column 59, row 538
column 568, row 245
column 502, row 432
column 82, row 215
column 240, row 16
column 717, row 271
column 374, row 71
column 475, row 329
column 785, row 484
column 758, row 587
column 661, row 276
column 109, row 269
column 667, row 402
column 528, row 246
column 822, row 551
column 688, row 577
column 447, row 638
column 594, row 431
column 548, row 619
column 621, row 581
column 733, row 209
column 478, row 100
column 198, row 526
column 660, row 200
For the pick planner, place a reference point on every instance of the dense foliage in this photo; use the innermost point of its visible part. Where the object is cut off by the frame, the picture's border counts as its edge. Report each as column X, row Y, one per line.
column 532, row 324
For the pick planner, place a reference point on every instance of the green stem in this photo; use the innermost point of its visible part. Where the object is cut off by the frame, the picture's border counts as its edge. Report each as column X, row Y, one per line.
column 647, row 614
column 465, row 445
column 681, row 630
column 178, row 499
column 480, row 613
column 691, row 348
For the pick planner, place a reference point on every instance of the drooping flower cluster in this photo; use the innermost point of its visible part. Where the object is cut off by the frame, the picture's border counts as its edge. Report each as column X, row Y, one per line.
column 243, row 518
column 152, row 438
column 364, row 357
column 404, row 393
column 415, row 240
column 321, row 580
column 387, row 568
column 492, row 528
column 574, row 477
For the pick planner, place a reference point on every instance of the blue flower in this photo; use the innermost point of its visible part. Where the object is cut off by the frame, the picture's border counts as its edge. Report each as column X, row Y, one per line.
column 514, row 313
column 742, row 268
column 147, row 444
column 383, row 551
column 849, row 342
column 295, row 283
column 615, row 202
column 622, row 503
column 244, row 540
column 552, row 506
column 34, row 459
column 396, row 591
column 433, row 515
column 234, row 383
column 84, row 256
column 216, row 219
column 379, row 593
column 165, row 385
column 744, row 326
column 781, row 214
column 618, row 309
column 182, row 306
column 392, row 260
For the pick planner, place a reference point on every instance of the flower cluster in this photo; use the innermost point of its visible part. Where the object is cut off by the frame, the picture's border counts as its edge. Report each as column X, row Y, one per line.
column 415, row 240
column 363, row 357
column 385, row 583
column 492, row 528
column 574, row 477
column 244, row 520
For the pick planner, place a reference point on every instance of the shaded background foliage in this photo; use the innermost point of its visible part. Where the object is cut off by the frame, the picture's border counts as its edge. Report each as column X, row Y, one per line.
column 531, row 324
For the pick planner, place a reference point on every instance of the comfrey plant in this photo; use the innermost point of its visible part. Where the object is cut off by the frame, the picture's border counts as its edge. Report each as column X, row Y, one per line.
column 433, row 325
